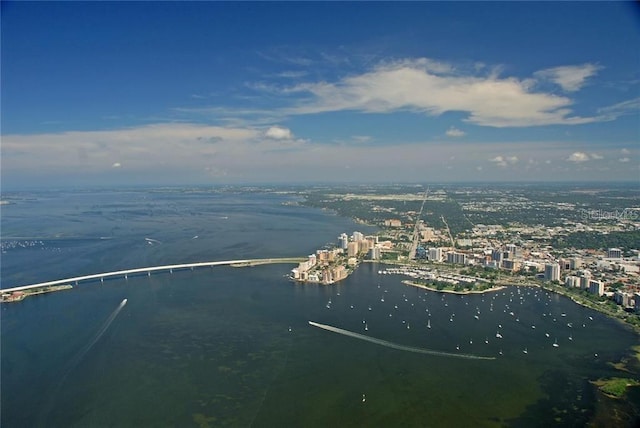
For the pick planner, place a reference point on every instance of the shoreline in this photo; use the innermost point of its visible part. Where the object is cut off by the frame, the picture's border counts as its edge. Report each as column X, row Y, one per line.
column 488, row 290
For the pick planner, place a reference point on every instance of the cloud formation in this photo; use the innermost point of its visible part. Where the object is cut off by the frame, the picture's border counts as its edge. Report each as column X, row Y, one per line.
column 503, row 161
column 455, row 132
column 433, row 88
column 570, row 77
column 578, row 157
column 278, row 133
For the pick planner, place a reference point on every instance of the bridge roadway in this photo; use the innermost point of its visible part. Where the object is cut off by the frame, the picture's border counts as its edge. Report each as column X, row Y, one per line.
column 148, row 270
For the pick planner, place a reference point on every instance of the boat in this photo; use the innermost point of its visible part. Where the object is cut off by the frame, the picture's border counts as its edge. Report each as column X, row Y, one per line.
column 476, row 317
column 366, row 327
column 429, row 324
column 486, row 340
column 124, row 302
column 457, row 347
column 570, row 337
column 498, row 335
column 555, row 344
column 364, row 398
column 546, row 334
column 524, row 351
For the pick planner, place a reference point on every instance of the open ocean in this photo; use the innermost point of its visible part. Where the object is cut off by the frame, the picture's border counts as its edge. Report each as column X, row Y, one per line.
column 228, row 346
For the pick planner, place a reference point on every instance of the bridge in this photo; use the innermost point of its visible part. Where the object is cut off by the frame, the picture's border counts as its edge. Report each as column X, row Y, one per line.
column 170, row 268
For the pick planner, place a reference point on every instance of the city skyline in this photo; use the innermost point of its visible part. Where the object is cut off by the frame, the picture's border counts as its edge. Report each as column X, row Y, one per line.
column 218, row 93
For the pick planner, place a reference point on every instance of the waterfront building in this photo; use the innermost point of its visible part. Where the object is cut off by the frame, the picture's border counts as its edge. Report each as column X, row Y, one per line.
column 393, row 223
column 596, row 287
column 343, row 240
column 374, row 253
column 552, row 272
column 357, row 236
column 585, row 277
column 623, row 298
column 456, row 258
column 435, row 254
column 352, row 249
column 572, row 281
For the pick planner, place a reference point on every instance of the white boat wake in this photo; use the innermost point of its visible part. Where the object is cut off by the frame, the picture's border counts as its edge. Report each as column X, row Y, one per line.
column 398, row 346
column 75, row 361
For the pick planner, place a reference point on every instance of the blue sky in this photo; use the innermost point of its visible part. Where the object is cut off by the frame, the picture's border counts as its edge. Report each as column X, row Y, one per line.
column 212, row 92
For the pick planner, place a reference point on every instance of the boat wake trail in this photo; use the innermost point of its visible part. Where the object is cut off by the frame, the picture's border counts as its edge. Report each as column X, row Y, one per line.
column 398, row 346
column 76, row 360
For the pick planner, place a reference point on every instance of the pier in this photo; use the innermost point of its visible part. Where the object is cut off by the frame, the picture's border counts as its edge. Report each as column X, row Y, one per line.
column 148, row 270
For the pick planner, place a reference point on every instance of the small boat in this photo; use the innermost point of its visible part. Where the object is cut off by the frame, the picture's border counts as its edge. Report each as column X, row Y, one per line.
column 476, row 317
column 555, row 344
column 289, row 328
column 533, row 326
column 486, row 340
column 570, row 338
column 408, row 326
column 546, row 334
column 524, row 351
column 470, row 341
column 500, row 352
column 563, row 314
column 457, row 347
column 498, row 335
column 364, row 398
column 429, row 324
column 366, row 327
column 369, row 307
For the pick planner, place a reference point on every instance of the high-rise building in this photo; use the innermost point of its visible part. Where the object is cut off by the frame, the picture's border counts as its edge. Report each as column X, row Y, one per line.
column 357, row 236
column 457, row 258
column 614, row 253
column 343, row 240
column 435, row 254
column 596, row 287
column 352, row 249
column 552, row 272
column 513, row 251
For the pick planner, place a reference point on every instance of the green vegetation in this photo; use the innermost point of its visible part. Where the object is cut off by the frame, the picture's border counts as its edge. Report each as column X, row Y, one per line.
column 615, row 387
column 581, row 240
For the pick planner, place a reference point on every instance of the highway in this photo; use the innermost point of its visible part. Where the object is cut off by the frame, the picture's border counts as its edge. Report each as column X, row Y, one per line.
column 148, row 270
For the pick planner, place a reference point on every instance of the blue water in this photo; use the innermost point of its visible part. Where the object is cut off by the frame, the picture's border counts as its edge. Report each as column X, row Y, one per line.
column 232, row 346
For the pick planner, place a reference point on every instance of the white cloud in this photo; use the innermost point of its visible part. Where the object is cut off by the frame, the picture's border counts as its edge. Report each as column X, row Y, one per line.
column 278, row 133
column 361, row 138
column 571, row 77
column 625, row 151
column 623, row 108
column 433, row 88
column 596, row 156
column 116, row 165
column 625, row 159
column 578, row 157
column 455, row 132
column 503, row 161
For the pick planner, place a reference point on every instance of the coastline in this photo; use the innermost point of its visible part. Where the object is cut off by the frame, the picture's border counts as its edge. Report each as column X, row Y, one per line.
column 488, row 290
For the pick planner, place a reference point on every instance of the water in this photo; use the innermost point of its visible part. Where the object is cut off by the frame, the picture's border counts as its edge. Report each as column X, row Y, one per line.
column 233, row 346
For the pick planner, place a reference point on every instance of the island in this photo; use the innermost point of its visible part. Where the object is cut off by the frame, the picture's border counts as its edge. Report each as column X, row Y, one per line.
column 18, row 296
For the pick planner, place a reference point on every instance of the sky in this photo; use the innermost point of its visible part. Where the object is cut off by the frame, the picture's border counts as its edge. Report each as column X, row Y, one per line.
column 162, row 93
